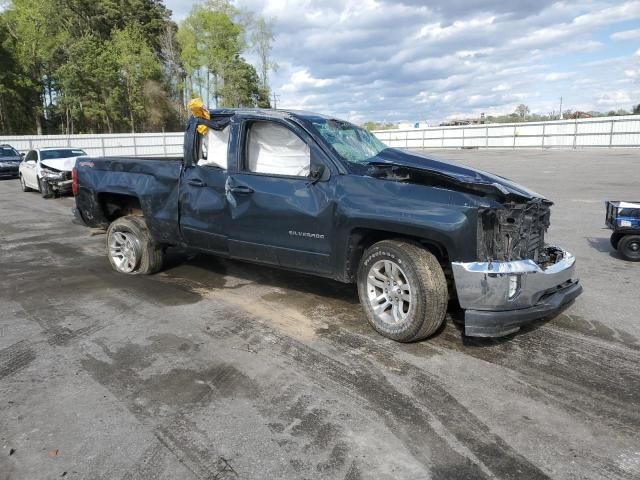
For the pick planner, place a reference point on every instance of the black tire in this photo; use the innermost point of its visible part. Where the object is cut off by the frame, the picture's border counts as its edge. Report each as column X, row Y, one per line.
column 148, row 254
column 23, row 185
column 45, row 189
column 615, row 239
column 427, row 308
column 629, row 247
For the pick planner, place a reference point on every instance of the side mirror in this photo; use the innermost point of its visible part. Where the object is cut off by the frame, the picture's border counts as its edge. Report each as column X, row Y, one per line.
column 23, row 154
column 316, row 172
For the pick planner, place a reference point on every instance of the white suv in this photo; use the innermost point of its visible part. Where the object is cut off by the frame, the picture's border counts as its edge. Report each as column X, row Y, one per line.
column 48, row 170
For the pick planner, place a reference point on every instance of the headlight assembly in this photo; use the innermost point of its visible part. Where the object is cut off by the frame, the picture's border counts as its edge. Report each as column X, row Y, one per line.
column 51, row 174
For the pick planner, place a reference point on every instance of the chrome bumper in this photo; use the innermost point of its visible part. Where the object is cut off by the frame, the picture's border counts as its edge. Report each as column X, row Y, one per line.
column 500, row 296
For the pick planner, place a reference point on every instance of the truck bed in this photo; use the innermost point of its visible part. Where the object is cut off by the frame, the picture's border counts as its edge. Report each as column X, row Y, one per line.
column 147, row 183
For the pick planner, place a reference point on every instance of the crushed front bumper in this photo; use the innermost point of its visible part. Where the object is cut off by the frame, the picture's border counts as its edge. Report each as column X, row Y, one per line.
column 500, row 297
column 61, row 186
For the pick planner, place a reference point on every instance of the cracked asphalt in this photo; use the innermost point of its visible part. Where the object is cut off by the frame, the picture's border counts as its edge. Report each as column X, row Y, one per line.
column 216, row 369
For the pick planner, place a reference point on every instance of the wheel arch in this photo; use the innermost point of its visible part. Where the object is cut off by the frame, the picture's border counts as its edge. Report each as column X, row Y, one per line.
column 115, row 205
column 361, row 238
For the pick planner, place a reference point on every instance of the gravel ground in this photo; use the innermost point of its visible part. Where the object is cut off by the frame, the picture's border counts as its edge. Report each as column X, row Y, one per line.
column 217, row 369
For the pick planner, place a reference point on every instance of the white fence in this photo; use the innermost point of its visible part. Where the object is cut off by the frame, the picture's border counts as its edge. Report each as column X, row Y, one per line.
column 610, row 132
column 128, row 144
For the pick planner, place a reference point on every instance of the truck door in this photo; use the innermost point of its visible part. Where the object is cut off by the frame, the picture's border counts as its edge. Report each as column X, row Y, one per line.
column 202, row 193
column 280, row 199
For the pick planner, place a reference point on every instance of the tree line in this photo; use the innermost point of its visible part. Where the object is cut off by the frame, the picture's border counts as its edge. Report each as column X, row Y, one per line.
column 108, row 66
column 522, row 113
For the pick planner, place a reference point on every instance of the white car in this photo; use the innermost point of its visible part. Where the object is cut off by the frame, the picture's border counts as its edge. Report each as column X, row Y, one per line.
column 48, row 170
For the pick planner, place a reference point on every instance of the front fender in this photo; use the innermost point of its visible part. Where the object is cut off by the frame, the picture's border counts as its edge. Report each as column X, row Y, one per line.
column 444, row 217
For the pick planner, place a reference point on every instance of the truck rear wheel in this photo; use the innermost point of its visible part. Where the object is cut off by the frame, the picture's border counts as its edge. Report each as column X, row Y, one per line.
column 629, row 247
column 130, row 247
column 403, row 290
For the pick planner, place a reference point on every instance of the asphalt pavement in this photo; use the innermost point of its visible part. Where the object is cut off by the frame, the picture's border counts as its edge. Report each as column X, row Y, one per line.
column 216, row 369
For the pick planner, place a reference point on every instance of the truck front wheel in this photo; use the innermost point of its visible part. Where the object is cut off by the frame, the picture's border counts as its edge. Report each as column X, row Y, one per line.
column 403, row 290
column 629, row 247
column 130, row 247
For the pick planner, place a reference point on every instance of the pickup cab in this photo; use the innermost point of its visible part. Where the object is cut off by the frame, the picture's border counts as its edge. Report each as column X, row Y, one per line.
column 318, row 195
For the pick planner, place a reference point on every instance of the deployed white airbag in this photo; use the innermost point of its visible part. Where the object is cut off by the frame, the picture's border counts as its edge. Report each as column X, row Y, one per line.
column 277, row 150
column 217, row 144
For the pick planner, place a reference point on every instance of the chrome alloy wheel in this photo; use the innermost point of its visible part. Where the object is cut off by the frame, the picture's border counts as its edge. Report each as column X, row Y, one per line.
column 125, row 251
column 389, row 292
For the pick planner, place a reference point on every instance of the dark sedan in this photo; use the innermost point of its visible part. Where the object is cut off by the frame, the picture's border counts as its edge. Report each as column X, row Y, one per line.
column 9, row 161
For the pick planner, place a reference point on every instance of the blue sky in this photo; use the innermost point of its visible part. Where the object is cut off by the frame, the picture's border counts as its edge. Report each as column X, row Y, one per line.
column 413, row 60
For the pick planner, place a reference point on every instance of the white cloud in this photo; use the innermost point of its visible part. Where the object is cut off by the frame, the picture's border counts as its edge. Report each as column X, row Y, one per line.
column 411, row 59
column 302, row 78
column 626, row 35
column 503, row 87
column 556, row 76
column 613, row 99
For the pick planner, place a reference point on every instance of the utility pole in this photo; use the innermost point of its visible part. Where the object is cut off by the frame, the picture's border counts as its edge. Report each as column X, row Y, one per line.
column 275, row 100
column 560, row 114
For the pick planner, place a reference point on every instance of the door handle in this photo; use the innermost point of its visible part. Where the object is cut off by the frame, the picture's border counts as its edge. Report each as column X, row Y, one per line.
column 196, row 182
column 241, row 189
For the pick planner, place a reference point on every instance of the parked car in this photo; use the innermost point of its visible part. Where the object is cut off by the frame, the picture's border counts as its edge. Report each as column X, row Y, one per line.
column 314, row 194
column 9, row 161
column 48, row 170
column 624, row 219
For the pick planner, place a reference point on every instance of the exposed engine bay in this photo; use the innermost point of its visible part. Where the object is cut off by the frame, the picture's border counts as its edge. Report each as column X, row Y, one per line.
column 515, row 232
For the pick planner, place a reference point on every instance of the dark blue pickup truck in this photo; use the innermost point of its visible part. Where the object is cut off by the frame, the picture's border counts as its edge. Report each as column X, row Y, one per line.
column 318, row 195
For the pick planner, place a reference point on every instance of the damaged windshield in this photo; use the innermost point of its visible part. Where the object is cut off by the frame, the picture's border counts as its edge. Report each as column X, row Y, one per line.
column 353, row 144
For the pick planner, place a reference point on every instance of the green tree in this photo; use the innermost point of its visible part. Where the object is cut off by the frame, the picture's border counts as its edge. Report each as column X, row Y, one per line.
column 136, row 63
column 210, row 41
column 15, row 109
column 189, row 56
column 636, row 109
column 89, row 94
column 241, row 86
column 173, row 68
column 522, row 111
column 113, row 65
column 32, row 24
column 102, row 17
column 262, row 43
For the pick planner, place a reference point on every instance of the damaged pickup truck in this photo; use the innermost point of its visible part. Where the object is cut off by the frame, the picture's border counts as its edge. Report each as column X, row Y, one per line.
column 317, row 195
